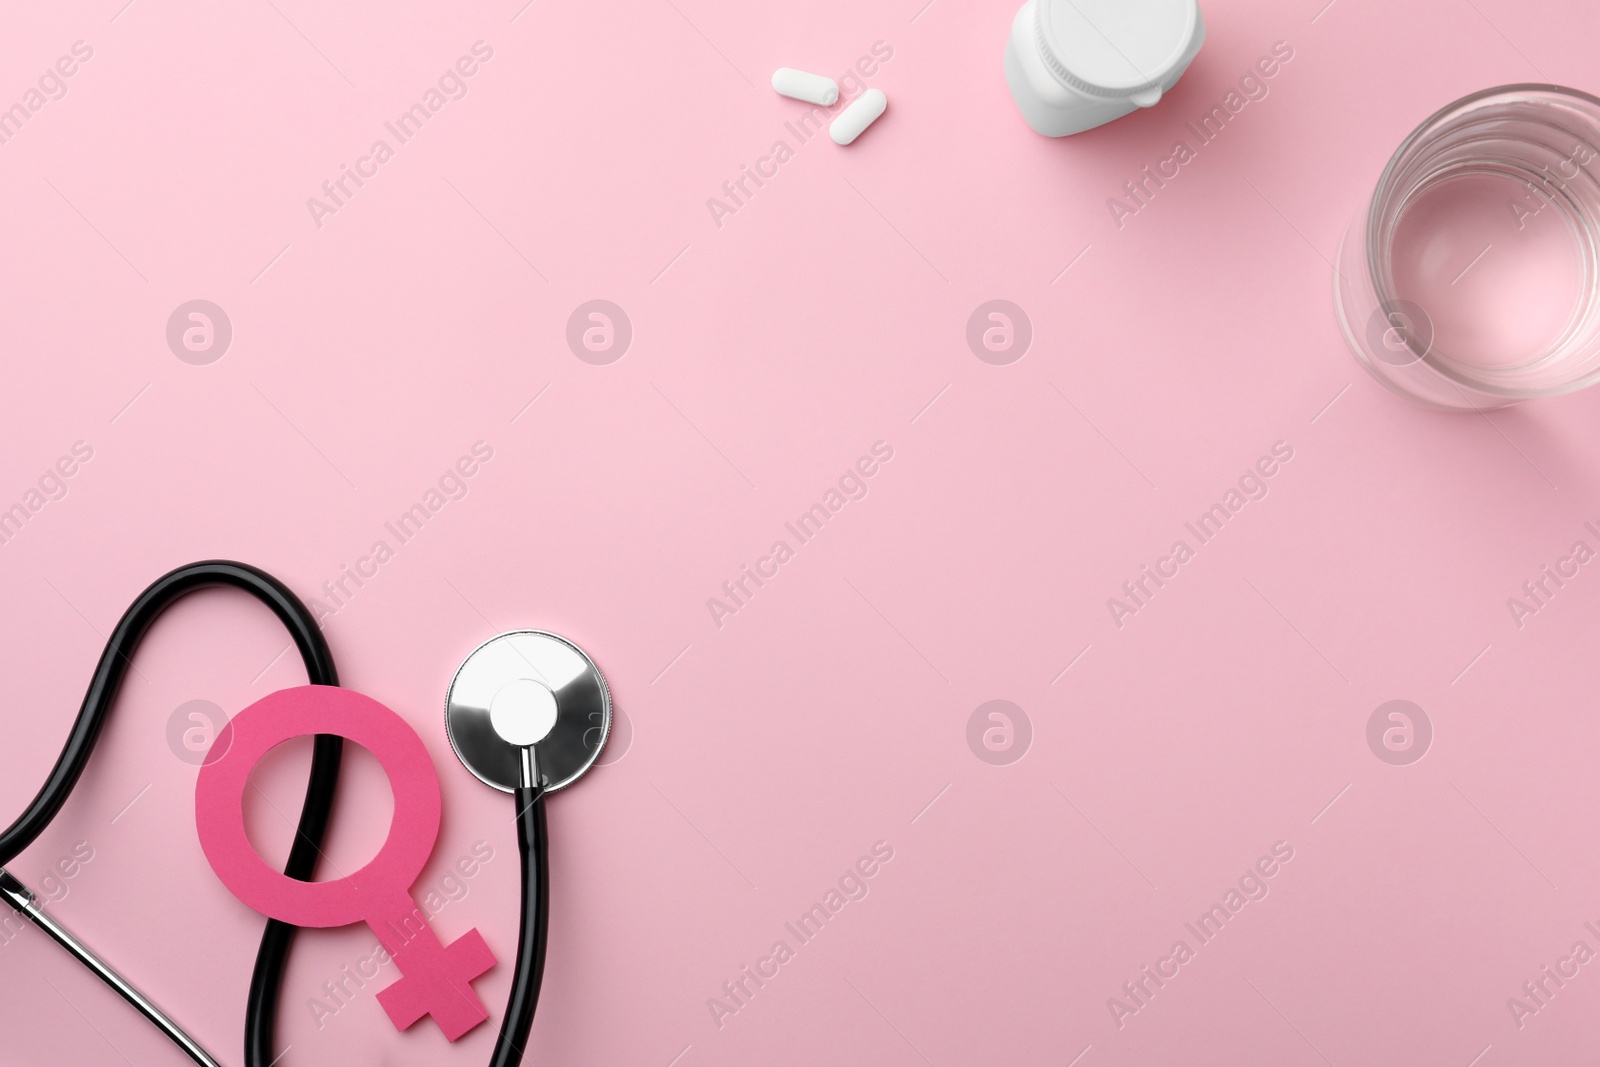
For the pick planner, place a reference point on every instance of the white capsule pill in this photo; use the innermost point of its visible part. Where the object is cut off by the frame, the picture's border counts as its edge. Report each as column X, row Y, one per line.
column 798, row 85
column 863, row 112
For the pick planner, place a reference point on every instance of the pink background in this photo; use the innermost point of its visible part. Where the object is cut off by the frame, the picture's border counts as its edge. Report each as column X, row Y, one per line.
column 768, row 354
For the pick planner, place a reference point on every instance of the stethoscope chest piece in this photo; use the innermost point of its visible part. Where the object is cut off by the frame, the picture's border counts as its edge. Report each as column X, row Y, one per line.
column 528, row 688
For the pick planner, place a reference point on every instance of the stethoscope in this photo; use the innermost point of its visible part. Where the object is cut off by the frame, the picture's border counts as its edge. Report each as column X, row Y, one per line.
column 527, row 713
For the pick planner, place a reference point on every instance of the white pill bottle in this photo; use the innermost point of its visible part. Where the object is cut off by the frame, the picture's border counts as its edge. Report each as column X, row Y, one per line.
column 1076, row 64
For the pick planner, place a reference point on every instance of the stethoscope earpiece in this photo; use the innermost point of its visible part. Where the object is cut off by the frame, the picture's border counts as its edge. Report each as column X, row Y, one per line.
column 528, row 703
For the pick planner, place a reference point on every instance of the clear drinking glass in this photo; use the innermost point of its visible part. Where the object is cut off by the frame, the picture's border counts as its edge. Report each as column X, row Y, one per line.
column 1472, row 280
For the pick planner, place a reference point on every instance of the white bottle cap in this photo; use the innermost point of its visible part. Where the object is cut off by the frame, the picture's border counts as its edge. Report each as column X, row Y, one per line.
column 1123, row 49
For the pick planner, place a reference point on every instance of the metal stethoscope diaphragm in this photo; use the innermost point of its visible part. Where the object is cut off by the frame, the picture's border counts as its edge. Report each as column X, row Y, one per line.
column 526, row 709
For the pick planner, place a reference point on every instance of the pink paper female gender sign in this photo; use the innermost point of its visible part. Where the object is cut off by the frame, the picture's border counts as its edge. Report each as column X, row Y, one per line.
column 436, row 979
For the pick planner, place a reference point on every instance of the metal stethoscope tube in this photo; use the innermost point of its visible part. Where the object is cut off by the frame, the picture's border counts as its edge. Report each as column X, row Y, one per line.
column 25, row 902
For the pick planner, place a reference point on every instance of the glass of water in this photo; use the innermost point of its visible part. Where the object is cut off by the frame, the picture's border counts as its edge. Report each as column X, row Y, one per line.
column 1470, row 280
